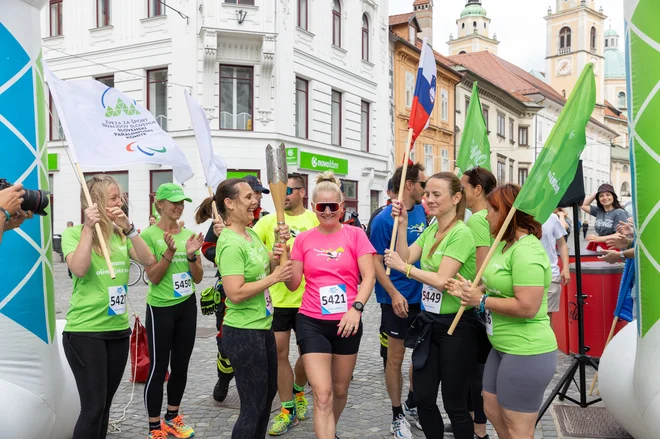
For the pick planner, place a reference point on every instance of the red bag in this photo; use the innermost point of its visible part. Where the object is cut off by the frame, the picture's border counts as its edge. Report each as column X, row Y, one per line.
column 140, row 354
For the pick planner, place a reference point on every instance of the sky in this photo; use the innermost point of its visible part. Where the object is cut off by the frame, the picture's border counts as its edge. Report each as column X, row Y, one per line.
column 519, row 25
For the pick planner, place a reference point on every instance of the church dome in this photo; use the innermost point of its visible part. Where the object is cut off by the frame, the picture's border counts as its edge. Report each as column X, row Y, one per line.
column 611, row 33
column 473, row 9
column 615, row 65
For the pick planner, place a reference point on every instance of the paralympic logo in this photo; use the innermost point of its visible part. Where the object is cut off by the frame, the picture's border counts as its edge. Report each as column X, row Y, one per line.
column 130, row 147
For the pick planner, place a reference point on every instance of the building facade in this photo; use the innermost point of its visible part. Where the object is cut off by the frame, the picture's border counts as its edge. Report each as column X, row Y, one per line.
column 265, row 72
column 473, row 33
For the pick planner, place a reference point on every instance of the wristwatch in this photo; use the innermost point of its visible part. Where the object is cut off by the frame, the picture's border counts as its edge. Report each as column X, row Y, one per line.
column 359, row 306
column 193, row 259
column 622, row 256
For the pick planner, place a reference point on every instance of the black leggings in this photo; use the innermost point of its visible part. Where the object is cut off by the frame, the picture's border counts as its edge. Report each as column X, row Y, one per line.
column 97, row 365
column 171, row 334
column 475, row 400
column 452, row 360
column 253, row 354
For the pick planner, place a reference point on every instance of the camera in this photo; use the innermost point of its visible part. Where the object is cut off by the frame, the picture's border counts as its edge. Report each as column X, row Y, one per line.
column 35, row 201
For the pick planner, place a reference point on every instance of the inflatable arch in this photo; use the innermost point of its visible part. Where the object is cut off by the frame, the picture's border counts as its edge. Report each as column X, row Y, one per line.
column 629, row 381
column 39, row 396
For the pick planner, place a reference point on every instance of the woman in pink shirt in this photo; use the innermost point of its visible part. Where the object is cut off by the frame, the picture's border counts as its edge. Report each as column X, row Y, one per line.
column 332, row 257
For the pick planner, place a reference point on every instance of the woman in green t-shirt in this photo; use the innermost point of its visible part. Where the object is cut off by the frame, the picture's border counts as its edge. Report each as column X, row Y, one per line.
column 96, row 335
column 445, row 249
column 171, row 310
column 248, row 270
column 514, row 297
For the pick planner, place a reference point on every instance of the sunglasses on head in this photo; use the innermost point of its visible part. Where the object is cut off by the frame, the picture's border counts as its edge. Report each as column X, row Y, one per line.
column 320, row 207
column 289, row 190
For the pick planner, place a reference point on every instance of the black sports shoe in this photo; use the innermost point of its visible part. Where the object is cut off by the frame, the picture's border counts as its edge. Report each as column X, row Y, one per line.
column 479, row 437
column 220, row 390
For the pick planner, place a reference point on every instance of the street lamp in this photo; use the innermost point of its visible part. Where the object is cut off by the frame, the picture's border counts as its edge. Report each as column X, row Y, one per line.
column 240, row 15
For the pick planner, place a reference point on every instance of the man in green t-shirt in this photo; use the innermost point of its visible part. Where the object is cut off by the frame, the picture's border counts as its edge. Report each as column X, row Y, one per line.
column 286, row 304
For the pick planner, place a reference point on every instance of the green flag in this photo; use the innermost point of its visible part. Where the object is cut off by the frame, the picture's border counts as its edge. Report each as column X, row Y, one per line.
column 475, row 148
column 555, row 167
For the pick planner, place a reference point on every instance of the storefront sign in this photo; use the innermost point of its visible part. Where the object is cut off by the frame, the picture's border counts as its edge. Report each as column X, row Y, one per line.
column 292, row 156
column 53, row 161
column 322, row 163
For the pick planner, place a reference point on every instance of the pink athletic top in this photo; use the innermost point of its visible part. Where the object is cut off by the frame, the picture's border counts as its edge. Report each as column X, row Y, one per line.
column 330, row 267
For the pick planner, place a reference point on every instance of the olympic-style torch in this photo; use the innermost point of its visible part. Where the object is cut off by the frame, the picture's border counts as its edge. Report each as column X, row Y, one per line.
column 277, row 181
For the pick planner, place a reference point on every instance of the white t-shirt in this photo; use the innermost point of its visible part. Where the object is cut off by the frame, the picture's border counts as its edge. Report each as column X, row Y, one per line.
column 552, row 231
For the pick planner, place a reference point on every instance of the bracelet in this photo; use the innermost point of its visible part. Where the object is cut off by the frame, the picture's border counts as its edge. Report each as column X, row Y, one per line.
column 168, row 260
column 132, row 234
column 7, row 214
column 408, row 269
column 482, row 303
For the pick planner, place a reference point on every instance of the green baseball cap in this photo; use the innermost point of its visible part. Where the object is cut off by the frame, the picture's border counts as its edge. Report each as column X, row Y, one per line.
column 171, row 192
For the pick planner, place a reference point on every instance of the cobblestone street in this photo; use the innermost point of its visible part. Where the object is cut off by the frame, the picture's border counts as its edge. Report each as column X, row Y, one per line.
column 367, row 413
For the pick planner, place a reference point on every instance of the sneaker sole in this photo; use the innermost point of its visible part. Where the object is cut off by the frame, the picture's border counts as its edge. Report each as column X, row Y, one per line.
column 287, row 429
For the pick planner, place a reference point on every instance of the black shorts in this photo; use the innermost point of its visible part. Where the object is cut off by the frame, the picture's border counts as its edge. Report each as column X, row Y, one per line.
column 316, row 336
column 393, row 325
column 284, row 319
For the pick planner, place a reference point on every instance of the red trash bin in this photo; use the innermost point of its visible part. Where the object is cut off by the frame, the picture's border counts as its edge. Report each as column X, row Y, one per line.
column 600, row 284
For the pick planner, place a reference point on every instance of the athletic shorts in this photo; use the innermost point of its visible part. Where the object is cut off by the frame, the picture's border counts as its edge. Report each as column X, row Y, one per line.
column 554, row 294
column 284, row 319
column 519, row 381
column 393, row 325
column 320, row 336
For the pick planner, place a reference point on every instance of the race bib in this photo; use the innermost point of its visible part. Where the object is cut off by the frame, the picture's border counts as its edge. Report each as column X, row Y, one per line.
column 183, row 285
column 269, row 303
column 431, row 299
column 333, row 299
column 117, row 300
column 489, row 323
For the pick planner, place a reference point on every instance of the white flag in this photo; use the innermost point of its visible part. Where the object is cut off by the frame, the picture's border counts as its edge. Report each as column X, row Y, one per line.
column 106, row 128
column 215, row 168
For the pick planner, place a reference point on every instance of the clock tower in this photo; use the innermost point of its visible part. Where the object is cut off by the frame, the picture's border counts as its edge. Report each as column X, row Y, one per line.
column 574, row 38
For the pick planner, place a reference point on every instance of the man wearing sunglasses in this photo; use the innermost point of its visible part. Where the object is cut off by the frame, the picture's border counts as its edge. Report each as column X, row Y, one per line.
column 291, row 387
column 398, row 295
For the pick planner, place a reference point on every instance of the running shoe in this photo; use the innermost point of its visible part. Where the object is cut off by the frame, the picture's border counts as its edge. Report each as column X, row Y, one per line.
column 176, row 427
column 400, row 428
column 283, row 422
column 411, row 412
column 301, row 406
column 220, row 390
column 157, row 434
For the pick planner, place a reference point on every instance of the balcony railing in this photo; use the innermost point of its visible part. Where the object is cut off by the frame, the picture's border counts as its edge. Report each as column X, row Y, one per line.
column 564, row 51
column 230, row 121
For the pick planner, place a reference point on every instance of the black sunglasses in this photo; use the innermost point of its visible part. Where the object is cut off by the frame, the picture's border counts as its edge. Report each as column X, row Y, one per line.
column 421, row 183
column 320, row 207
column 289, row 190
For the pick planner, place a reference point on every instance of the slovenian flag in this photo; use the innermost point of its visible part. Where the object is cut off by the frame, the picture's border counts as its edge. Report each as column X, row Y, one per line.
column 424, row 97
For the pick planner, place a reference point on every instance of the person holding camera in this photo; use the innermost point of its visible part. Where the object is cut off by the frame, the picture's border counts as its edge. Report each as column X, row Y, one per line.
column 96, row 335
column 11, row 214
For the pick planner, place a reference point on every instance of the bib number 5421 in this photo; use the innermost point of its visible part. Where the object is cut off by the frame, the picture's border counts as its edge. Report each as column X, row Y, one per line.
column 333, row 299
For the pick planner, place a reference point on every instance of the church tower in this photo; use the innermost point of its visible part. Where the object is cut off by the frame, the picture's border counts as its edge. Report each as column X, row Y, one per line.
column 574, row 38
column 424, row 12
column 473, row 31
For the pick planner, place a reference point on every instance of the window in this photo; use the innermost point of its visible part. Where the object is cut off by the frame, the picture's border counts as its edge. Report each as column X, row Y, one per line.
column 350, row 193
column 156, row 178
column 236, row 98
column 625, row 189
column 108, row 81
column 428, row 159
column 301, row 107
column 540, row 132
column 51, row 188
column 444, row 96
column 302, row 14
column 511, row 171
column 156, row 7
column 622, row 100
column 501, row 169
column 594, row 41
column 501, row 124
column 445, row 160
column 522, row 175
column 485, row 112
column 157, row 96
column 467, row 105
column 474, row 24
column 410, row 88
column 55, row 127
column 511, row 129
column 625, row 168
column 374, row 197
column 336, row 118
column 365, row 126
column 522, row 136
column 336, row 23
column 411, row 156
column 102, row 13
column 55, row 18
column 365, row 37
column 412, row 34
column 565, row 40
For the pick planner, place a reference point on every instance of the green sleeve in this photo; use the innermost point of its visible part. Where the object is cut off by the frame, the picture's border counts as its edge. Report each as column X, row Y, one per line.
column 528, row 265
column 480, row 230
column 461, row 244
column 231, row 258
column 70, row 239
column 421, row 238
column 262, row 229
column 129, row 243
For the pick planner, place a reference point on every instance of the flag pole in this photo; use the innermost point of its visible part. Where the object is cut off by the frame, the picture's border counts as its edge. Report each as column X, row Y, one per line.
column 490, row 254
column 404, row 171
column 609, row 339
column 97, row 227
column 214, row 207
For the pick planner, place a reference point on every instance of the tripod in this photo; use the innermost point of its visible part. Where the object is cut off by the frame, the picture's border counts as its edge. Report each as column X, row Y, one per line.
column 580, row 360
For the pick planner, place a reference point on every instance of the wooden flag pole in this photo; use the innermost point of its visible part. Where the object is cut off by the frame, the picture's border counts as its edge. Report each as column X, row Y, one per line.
column 97, row 227
column 609, row 339
column 214, row 207
column 404, row 171
column 490, row 254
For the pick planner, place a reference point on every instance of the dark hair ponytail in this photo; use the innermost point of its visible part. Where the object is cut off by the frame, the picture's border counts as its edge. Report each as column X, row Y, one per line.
column 204, row 211
column 479, row 176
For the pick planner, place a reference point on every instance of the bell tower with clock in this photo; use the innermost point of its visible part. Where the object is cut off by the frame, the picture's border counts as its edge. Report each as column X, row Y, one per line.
column 574, row 38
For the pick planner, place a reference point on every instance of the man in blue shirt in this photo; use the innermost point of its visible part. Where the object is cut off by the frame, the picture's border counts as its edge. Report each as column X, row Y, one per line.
column 398, row 295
